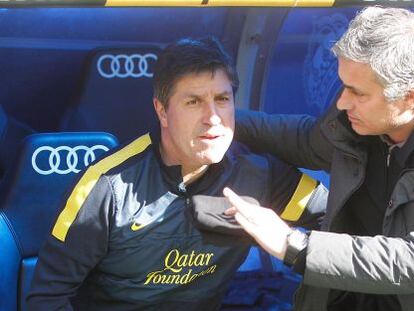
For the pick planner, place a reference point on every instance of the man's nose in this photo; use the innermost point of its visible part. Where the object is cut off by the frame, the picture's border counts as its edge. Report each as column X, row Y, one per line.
column 211, row 114
column 345, row 101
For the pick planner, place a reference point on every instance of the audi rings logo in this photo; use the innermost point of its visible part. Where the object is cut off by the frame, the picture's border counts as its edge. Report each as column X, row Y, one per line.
column 63, row 159
column 124, row 66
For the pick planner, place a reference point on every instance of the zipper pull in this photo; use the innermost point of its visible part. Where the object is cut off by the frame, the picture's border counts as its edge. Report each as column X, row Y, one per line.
column 181, row 187
column 389, row 151
column 388, row 158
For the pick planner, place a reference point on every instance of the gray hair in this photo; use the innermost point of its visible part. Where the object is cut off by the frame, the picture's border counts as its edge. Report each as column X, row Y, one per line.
column 384, row 39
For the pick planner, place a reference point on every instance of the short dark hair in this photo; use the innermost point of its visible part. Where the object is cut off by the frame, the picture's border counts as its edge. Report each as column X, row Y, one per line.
column 190, row 56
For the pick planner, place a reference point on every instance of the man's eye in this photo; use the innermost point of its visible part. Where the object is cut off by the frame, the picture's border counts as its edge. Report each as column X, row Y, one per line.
column 224, row 99
column 357, row 93
column 191, row 102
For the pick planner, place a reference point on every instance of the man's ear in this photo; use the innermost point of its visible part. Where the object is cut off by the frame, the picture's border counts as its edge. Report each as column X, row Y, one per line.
column 409, row 101
column 410, row 97
column 161, row 113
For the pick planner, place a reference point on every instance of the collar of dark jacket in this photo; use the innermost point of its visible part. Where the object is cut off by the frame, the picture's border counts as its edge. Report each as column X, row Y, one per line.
column 172, row 174
column 404, row 155
column 337, row 129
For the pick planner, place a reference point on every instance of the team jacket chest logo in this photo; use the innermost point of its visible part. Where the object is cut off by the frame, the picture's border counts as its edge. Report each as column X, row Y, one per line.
column 150, row 212
column 182, row 268
column 136, row 226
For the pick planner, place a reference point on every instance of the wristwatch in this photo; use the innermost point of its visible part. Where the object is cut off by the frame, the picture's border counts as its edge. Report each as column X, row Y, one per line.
column 297, row 242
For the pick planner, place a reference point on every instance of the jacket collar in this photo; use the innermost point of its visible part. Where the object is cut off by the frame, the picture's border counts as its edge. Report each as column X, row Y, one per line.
column 337, row 129
column 404, row 155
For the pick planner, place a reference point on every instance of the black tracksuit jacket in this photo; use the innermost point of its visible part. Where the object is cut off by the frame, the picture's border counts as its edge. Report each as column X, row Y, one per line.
column 126, row 240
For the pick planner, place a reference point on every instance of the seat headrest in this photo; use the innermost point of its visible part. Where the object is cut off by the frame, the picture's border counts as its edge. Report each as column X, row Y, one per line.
column 132, row 63
column 116, row 95
column 12, row 133
column 47, row 166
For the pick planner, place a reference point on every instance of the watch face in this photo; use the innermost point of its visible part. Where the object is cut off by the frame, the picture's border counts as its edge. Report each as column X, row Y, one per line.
column 298, row 239
column 296, row 242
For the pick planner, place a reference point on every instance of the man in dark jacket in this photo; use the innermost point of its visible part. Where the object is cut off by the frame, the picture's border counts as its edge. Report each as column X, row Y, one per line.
column 127, row 233
column 366, row 259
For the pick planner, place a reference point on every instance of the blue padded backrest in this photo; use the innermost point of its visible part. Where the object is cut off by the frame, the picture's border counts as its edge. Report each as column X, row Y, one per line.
column 34, row 192
column 27, row 268
column 116, row 96
column 9, row 262
column 3, row 122
column 12, row 133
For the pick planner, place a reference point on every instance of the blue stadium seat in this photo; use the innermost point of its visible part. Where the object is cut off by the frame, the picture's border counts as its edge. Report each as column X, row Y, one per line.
column 262, row 282
column 116, row 95
column 34, row 190
column 12, row 133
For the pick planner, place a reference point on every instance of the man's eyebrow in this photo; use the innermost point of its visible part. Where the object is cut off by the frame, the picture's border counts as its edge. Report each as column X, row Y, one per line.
column 227, row 93
column 192, row 95
column 200, row 96
column 353, row 88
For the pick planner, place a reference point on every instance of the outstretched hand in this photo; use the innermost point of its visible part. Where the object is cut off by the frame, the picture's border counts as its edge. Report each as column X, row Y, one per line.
column 263, row 224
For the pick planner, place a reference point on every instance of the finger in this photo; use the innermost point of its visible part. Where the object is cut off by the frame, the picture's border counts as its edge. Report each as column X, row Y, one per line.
column 246, row 224
column 241, row 205
column 230, row 211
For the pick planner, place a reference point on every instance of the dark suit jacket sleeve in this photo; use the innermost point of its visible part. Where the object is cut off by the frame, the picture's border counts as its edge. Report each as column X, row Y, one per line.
column 295, row 139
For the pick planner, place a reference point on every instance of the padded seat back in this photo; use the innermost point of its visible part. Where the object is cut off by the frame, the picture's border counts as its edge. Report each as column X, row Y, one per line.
column 116, row 96
column 12, row 133
column 47, row 166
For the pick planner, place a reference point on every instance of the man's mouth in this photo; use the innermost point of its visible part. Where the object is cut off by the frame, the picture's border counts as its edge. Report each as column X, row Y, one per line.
column 209, row 137
column 352, row 119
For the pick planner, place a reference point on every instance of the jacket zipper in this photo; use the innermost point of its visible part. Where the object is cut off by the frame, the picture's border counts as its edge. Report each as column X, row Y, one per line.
column 390, row 202
column 388, row 155
column 342, row 203
column 183, row 190
column 387, row 166
column 181, row 187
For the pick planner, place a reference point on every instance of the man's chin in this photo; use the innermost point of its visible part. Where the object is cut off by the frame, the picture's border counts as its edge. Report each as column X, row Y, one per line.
column 361, row 130
column 212, row 158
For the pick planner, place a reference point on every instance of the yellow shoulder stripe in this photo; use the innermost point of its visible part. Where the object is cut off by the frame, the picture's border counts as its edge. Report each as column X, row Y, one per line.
column 300, row 198
column 88, row 181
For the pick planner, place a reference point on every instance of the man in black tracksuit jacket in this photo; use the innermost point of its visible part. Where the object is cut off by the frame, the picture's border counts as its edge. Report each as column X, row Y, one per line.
column 126, row 237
